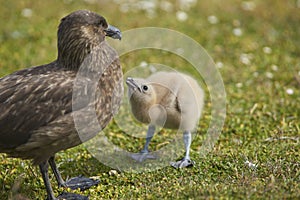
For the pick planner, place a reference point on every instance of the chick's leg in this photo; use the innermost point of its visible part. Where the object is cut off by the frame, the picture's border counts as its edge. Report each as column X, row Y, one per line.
column 144, row 153
column 187, row 139
column 150, row 133
column 185, row 161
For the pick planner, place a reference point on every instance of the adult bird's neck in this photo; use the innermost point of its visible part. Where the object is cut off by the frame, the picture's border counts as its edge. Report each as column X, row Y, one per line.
column 94, row 59
column 71, row 56
column 89, row 60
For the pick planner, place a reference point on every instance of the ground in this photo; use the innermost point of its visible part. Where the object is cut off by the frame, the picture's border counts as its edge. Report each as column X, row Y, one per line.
column 256, row 47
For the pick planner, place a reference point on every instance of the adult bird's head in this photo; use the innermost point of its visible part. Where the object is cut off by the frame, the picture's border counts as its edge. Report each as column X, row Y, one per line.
column 79, row 33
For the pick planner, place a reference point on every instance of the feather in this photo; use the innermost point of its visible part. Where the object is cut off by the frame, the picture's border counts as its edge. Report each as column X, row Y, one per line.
column 36, row 104
column 168, row 99
column 178, row 94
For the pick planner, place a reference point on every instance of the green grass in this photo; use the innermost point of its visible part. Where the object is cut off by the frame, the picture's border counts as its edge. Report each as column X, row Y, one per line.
column 262, row 124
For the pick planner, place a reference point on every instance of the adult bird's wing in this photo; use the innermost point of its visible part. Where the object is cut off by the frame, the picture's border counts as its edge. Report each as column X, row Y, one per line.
column 30, row 99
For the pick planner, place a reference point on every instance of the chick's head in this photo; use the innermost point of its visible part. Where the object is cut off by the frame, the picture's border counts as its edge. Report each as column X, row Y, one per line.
column 140, row 92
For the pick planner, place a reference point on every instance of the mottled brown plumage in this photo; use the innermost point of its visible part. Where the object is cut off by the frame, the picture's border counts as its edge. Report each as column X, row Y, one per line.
column 36, row 110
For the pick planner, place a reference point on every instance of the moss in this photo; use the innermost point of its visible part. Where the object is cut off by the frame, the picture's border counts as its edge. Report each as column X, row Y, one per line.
column 262, row 124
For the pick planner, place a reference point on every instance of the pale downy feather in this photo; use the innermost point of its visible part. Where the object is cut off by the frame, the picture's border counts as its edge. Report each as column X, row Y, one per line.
column 172, row 100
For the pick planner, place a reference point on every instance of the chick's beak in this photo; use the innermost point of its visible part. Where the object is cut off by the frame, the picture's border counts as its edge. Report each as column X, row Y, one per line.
column 113, row 32
column 133, row 84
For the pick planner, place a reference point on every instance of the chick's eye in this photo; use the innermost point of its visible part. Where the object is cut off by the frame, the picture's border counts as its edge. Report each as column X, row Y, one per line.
column 145, row 87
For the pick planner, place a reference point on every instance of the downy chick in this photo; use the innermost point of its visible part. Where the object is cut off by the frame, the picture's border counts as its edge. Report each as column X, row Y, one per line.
column 168, row 99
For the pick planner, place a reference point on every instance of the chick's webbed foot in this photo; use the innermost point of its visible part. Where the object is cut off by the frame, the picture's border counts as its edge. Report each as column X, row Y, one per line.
column 143, row 155
column 183, row 163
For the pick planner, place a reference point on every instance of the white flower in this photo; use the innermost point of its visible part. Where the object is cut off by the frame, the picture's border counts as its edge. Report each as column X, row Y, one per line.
column 245, row 58
column 212, row 19
column 143, row 64
column 250, row 165
column 181, row 16
column 274, row 68
column 267, row 50
column 239, row 85
column 186, row 4
column 269, row 75
column 248, row 5
column 237, row 141
column 27, row 12
column 255, row 74
column 166, row 6
column 146, row 5
column 237, row 32
column 113, row 172
column 289, row 91
column 219, row 64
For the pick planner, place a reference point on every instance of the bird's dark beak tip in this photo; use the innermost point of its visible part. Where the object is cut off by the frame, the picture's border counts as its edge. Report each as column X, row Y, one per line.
column 132, row 84
column 113, row 32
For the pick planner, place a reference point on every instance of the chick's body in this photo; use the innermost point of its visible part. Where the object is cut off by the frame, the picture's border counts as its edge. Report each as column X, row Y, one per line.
column 172, row 100
column 168, row 99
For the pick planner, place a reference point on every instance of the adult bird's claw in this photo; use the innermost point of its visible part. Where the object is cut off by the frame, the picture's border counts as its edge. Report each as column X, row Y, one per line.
column 140, row 157
column 182, row 163
column 81, row 182
column 71, row 196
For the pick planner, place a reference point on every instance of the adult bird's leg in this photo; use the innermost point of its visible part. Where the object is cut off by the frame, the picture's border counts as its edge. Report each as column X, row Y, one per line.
column 77, row 182
column 45, row 175
column 144, row 153
column 185, row 161
column 60, row 181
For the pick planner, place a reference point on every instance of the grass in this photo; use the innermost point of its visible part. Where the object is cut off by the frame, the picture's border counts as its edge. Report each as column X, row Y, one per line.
column 259, row 69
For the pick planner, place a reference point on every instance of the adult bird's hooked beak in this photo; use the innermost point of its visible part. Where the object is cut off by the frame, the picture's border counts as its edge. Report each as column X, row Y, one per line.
column 113, row 32
column 133, row 84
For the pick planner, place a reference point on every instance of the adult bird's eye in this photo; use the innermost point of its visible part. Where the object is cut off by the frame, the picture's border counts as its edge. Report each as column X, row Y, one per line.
column 145, row 87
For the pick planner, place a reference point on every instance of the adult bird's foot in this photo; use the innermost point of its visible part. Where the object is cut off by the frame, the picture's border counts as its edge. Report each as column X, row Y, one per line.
column 81, row 182
column 140, row 157
column 71, row 196
column 183, row 163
